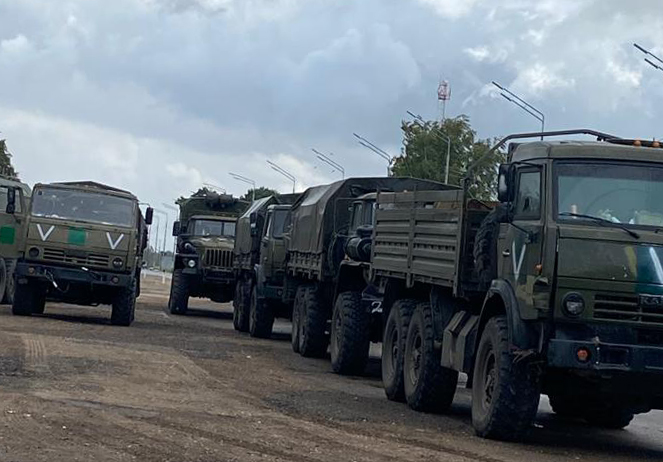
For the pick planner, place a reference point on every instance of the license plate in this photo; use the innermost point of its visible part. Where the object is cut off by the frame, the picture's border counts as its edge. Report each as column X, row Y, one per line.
column 651, row 301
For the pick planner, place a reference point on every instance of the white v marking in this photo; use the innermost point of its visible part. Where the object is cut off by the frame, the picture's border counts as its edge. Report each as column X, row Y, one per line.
column 517, row 265
column 113, row 245
column 44, row 235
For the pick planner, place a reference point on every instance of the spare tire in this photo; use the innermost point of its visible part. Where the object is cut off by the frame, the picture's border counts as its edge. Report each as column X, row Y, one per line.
column 485, row 245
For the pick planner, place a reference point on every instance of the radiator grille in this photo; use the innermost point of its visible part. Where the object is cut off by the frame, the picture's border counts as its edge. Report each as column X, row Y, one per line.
column 78, row 258
column 626, row 308
column 218, row 258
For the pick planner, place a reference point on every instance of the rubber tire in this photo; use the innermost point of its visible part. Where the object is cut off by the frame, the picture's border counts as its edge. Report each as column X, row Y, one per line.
column 393, row 348
column 4, row 277
column 313, row 340
column 124, row 306
column 10, row 288
column 485, row 245
column 350, row 331
column 29, row 298
column 178, row 302
column 296, row 319
column 615, row 418
column 511, row 411
column 429, row 387
column 261, row 319
column 240, row 307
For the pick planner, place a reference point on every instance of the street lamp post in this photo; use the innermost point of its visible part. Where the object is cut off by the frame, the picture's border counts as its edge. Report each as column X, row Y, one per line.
column 648, row 54
column 332, row 163
column 380, row 152
column 174, row 209
column 246, row 180
column 440, row 136
column 163, row 245
column 283, row 172
column 524, row 105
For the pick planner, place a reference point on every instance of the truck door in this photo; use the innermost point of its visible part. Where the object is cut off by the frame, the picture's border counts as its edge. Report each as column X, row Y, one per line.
column 520, row 242
column 11, row 225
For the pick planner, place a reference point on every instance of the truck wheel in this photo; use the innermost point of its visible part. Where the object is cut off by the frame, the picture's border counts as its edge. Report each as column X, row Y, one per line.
column 613, row 417
column 10, row 288
column 29, row 298
column 349, row 334
column 313, row 340
column 261, row 319
column 485, row 245
column 178, row 303
column 393, row 347
column 240, row 317
column 4, row 276
column 429, row 387
column 124, row 305
column 505, row 394
column 296, row 319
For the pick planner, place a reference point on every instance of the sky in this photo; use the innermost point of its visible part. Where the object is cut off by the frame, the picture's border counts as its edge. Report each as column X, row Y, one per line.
column 161, row 96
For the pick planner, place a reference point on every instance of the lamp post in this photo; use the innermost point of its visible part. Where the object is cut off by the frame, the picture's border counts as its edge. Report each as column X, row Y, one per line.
column 522, row 104
column 163, row 245
column 648, row 54
column 332, row 163
column 380, row 152
column 284, row 172
column 177, row 213
column 440, row 136
column 244, row 179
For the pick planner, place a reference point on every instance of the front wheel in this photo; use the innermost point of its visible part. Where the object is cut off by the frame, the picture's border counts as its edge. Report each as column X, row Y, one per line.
column 178, row 303
column 261, row 319
column 124, row 305
column 29, row 298
column 349, row 334
column 241, row 307
column 505, row 393
column 393, row 346
column 296, row 320
column 313, row 340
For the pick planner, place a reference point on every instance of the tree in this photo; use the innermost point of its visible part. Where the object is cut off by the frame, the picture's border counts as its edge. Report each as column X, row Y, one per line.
column 6, row 167
column 260, row 193
column 425, row 151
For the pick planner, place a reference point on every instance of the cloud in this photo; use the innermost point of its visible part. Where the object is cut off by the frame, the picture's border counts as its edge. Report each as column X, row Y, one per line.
column 452, row 9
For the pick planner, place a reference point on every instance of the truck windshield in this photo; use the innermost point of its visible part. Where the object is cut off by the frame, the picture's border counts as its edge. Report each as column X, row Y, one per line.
column 213, row 228
column 618, row 193
column 65, row 204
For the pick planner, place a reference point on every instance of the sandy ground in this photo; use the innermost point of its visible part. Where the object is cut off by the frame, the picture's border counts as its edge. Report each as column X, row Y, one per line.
column 74, row 388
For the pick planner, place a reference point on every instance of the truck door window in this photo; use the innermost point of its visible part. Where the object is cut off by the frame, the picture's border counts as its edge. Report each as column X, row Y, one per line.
column 3, row 200
column 528, row 197
column 268, row 229
column 278, row 225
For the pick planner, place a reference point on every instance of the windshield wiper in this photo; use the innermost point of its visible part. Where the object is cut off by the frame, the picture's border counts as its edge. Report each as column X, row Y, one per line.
column 602, row 221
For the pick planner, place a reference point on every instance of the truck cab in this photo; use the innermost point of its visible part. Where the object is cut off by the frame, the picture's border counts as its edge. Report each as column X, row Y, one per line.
column 14, row 203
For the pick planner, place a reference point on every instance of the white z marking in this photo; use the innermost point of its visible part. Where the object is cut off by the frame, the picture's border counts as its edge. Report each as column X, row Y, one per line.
column 44, row 235
column 113, row 245
column 519, row 264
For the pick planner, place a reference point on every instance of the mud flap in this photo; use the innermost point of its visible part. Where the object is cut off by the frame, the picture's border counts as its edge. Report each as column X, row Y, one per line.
column 459, row 341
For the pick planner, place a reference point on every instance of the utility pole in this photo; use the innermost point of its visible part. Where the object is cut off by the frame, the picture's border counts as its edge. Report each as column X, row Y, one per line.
column 335, row 165
column 524, row 105
column 177, row 214
column 380, row 152
column 214, row 187
column 284, row 172
column 440, row 136
column 163, row 245
column 244, row 179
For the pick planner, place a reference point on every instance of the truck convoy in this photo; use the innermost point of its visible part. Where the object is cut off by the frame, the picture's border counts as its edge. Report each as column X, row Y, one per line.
column 205, row 234
column 12, row 231
column 83, row 244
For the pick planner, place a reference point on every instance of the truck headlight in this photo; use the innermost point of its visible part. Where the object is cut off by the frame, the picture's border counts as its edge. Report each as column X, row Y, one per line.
column 189, row 248
column 117, row 262
column 573, row 305
column 33, row 252
column 191, row 263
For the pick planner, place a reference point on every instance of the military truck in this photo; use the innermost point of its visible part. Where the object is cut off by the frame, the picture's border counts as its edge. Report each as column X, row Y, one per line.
column 84, row 245
column 558, row 289
column 317, row 251
column 12, row 231
column 205, row 235
column 260, row 265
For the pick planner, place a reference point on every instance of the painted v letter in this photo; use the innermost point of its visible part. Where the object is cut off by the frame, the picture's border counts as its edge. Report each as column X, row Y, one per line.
column 42, row 234
column 517, row 265
column 113, row 245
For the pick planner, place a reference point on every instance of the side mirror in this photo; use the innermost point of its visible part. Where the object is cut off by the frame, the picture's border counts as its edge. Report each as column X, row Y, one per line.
column 505, row 183
column 11, row 201
column 177, row 228
column 149, row 215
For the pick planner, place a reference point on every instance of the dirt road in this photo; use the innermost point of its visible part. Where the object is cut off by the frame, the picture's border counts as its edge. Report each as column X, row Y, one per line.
column 74, row 388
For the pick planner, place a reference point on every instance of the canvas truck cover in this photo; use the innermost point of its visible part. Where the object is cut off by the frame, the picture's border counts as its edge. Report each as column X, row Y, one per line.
column 318, row 216
column 210, row 203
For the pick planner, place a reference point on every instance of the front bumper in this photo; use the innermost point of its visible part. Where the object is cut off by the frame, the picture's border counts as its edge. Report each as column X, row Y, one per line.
column 212, row 275
column 59, row 274
column 563, row 353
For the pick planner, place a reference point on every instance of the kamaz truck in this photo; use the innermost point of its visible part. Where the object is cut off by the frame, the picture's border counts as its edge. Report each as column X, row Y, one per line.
column 12, row 231
column 83, row 244
column 557, row 289
column 204, row 261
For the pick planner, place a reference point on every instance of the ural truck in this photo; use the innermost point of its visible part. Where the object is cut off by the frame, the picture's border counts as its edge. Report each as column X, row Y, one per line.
column 84, row 245
column 260, row 265
column 317, row 249
column 12, row 231
column 556, row 290
column 205, row 234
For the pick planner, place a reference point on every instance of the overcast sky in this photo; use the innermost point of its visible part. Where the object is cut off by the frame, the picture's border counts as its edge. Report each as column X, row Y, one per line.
column 160, row 96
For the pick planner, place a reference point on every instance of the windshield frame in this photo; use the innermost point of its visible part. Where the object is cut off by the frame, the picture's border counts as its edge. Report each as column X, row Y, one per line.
column 195, row 221
column 36, row 194
column 587, row 221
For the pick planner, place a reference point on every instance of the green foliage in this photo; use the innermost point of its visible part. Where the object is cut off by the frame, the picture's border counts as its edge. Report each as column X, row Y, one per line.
column 260, row 193
column 6, row 167
column 425, row 151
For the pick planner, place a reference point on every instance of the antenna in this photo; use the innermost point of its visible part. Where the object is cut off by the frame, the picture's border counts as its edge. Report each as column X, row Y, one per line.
column 443, row 95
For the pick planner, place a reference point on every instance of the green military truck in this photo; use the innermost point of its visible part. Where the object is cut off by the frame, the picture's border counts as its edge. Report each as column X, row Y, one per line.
column 205, row 234
column 83, row 244
column 556, row 290
column 260, row 265
column 319, row 256
column 12, row 231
